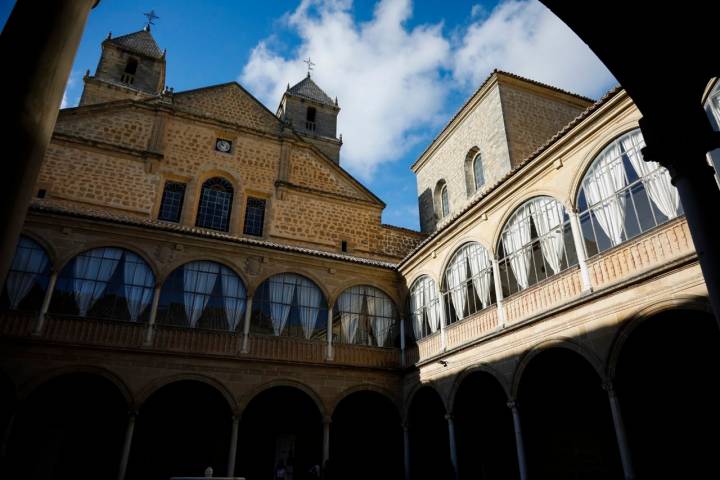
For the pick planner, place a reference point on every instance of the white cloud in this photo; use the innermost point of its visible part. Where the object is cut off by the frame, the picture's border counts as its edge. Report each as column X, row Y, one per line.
column 387, row 77
column 66, row 101
column 392, row 81
column 525, row 38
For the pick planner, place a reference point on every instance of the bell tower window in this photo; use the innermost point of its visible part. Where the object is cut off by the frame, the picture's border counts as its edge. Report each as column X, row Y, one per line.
column 310, row 119
column 128, row 75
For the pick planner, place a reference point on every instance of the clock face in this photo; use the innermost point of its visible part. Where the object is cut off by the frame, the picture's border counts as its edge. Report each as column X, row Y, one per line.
column 223, row 145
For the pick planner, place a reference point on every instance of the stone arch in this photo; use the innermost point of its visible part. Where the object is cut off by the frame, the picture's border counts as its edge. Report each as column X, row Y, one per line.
column 469, row 163
column 513, row 208
column 479, row 367
column 49, row 248
column 301, row 272
column 155, row 385
column 456, row 245
column 598, row 146
column 27, row 388
column 411, row 394
column 245, row 400
column 415, row 276
column 565, row 343
column 170, row 268
column 437, row 198
column 365, row 387
column 625, row 330
column 360, row 283
column 119, row 243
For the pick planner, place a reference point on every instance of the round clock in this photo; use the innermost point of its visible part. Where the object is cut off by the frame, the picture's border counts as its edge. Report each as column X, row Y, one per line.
column 223, row 146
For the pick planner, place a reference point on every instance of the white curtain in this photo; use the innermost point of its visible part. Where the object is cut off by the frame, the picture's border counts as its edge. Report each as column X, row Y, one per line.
column 350, row 306
column 309, row 297
column 480, row 270
column 139, row 282
column 548, row 215
column 434, row 307
column 233, row 292
column 455, row 278
column 29, row 261
column 417, row 307
column 379, row 308
column 606, row 177
column 198, row 283
column 282, row 288
column 91, row 273
column 655, row 178
column 516, row 238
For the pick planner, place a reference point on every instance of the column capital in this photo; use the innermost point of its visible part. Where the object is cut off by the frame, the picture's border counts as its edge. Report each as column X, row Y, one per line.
column 512, row 404
column 449, row 416
column 236, row 417
column 608, row 386
column 405, row 426
column 327, row 420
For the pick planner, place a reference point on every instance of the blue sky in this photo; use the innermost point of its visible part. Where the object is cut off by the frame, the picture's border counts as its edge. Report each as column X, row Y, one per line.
column 400, row 69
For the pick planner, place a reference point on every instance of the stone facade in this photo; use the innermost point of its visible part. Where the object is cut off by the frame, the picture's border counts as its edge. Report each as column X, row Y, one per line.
column 504, row 121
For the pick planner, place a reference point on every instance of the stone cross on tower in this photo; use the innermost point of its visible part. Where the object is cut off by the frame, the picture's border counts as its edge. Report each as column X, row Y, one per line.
column 150, row 17
column 310, row 65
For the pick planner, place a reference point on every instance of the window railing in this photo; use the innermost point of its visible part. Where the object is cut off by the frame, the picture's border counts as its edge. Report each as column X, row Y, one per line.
column 310, row 126
column 127, row 78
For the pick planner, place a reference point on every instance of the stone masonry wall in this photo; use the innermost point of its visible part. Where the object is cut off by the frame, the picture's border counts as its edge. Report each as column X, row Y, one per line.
column 83, row 172
column 100, row 92
column 482, row 128
column 90, row 176
column 148, row 77
column 128, row 127
column 228, row 103
column 532, row 118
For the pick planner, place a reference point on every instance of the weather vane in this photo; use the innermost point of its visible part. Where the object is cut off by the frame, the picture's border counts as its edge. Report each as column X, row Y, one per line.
column 310, row 65
column 150, row 17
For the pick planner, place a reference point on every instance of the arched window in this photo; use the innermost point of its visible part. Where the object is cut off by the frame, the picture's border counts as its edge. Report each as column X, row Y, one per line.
column 128, row 75
column 468, row 282
column 712, row 108
column 623, row 195
column 202, row 294
column 366, row 316
column 310, row 115
column 288, row 304
column 27, row 279
column 131, row 66
column 425, row 307
column 107, row 282
column 442, row 202
column 535, row 244
column 215, row 204
column 478, row 173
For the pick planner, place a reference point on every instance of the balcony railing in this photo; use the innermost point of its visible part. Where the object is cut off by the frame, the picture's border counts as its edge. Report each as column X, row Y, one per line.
column 107, row 333
column 640, row 255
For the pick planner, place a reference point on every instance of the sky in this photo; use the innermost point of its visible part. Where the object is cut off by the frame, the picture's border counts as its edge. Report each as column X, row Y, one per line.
column 400, row 69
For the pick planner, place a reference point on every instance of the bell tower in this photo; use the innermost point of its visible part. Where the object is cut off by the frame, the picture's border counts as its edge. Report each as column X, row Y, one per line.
column 131, row 67
column 313, row 115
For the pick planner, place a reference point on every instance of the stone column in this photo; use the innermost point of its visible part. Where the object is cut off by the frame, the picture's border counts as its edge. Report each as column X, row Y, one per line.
column 580, row 249
column 402, row 342
column 519, row 445
column 39, row 41
column 326, row 440
column 6, row 435
column 497, row 280
column 620, row 434
column 453, row 448
column 127, row 445
column 150, row 331
column 683, row 153
column 40, row 321
column 232, row 453
column 329, row 334
column 406, row 449
column 246, row 324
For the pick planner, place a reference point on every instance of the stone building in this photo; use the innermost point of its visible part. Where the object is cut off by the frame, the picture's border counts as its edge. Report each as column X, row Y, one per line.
column 200, row 283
